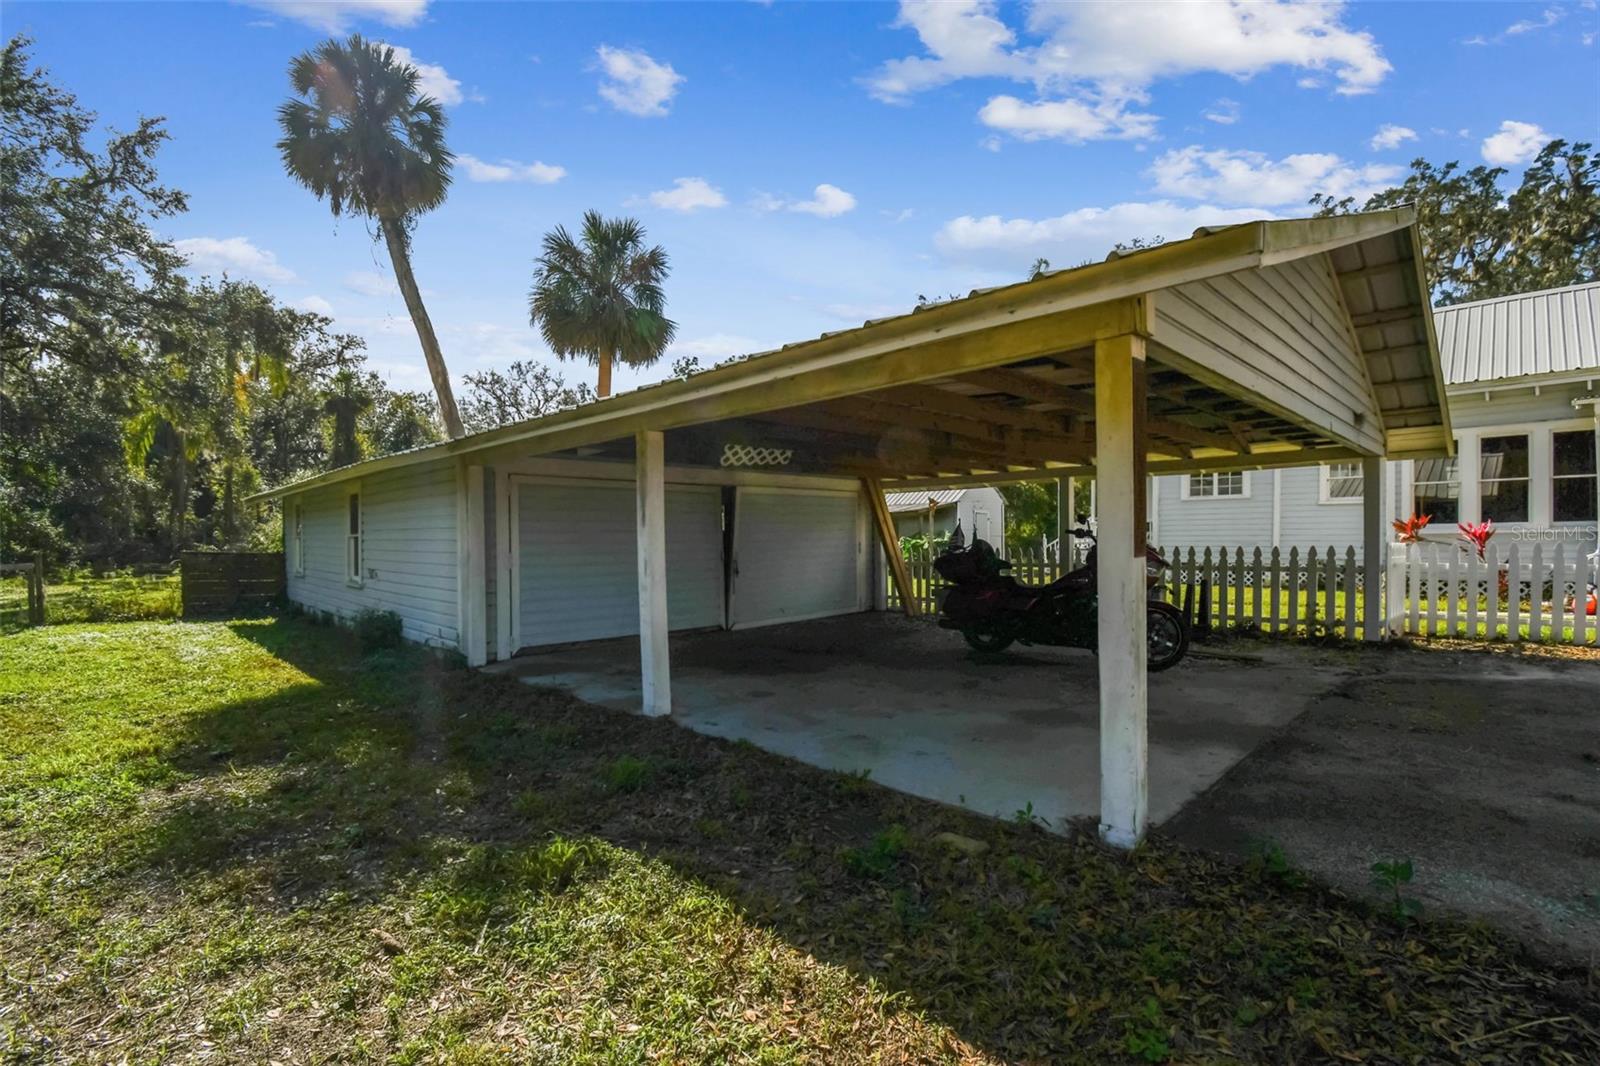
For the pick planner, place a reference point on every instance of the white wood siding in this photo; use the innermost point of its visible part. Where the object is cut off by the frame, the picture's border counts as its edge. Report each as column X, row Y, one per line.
column 408, row 550
column 491, row 564
column 1282, row 332
column 1232, row 520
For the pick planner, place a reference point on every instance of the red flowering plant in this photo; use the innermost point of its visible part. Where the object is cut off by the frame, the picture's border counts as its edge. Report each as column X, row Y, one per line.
column 1410, row 530
column 1477, row 534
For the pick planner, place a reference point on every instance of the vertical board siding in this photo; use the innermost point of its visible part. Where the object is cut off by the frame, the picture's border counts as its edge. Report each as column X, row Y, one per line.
column 491, row 562
column 579, row 575
column 796, row 555
column 408, row 549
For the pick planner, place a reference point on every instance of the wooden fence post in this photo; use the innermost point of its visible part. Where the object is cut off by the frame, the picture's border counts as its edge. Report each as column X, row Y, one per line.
column 36, row 592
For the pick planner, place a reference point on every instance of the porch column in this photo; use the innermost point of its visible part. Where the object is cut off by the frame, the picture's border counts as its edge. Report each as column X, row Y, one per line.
column 1119, row 399
column 655, row 670
column 505, row 571
column 1372, row 540
column 471, row 576
column 1064, row 519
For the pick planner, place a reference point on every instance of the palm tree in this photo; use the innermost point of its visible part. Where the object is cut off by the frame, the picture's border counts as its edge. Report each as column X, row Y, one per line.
column 360, row 135
column 601, row 300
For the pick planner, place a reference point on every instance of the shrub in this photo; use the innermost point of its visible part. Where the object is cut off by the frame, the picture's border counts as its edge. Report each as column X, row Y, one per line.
column 629, row 774
column 879, row 857
column 378, row 630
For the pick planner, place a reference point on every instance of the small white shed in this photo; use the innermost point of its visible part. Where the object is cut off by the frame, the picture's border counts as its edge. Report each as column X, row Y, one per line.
column 980, row 511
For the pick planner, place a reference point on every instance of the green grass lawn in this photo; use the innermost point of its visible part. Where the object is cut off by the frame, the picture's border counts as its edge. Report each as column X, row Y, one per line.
column 248, row 842
column 113, row 598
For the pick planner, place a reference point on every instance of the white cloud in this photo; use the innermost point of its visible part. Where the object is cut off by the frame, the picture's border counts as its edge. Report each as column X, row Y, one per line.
column 335, row 16
column 316, row 304
column 1224, row 112
column 1087, row 62
column 1547, row 18
column 371, row 283
column 905, row 214
column 635, row 83
column 1086, row 234
column 687, row 194
column 1517, row 142
column 234, row 255
column 510, row 170
column 1072, row 121
column 1252, row 178
column 432, row 79
column 827, row 201
column 1391, row 136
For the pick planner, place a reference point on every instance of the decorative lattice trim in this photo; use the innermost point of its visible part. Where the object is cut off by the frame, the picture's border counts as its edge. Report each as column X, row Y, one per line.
column 749, row 455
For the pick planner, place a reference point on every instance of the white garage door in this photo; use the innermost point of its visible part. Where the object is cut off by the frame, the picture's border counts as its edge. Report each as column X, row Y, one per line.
column 578, row 557
column 796, row 555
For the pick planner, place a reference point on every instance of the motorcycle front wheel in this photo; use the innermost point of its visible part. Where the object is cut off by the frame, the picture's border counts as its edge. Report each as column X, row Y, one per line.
column 987, row 638
column 1166, row 637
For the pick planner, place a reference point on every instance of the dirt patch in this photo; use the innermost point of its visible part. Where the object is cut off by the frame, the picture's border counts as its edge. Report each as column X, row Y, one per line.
column 1483, row 769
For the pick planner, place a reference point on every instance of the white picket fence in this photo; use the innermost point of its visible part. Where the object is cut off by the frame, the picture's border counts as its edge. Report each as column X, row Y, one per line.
column 1515, row 592
column 1429, row 590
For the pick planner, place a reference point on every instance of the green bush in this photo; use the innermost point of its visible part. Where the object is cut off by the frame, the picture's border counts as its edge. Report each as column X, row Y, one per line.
column 378, row 630
column 629, row 774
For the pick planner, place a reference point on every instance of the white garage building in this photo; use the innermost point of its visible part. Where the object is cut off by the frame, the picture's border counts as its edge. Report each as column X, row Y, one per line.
column 752, row 493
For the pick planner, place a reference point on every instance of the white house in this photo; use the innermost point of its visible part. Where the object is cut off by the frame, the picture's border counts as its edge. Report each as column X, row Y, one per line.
column 980, row 511
column 1522, row 374
column 754, row 492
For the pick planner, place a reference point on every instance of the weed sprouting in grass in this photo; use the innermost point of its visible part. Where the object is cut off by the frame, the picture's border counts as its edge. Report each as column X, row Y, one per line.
column 876, row 859
column 629, row 773
column 1025, row 816
column 1391, row 879
column 1270, row 863
column 1147, row 1034
column 853, row 783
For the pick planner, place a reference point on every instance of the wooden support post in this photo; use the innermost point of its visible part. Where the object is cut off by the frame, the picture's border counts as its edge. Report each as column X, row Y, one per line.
column 655, row 665
column 1119, row 388
column 890, row 543
column 505, row 547
column 36, row 592
column 1373, row 621
column 472, row 623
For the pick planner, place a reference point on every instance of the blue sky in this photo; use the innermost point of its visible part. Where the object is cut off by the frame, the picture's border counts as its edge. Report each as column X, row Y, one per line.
column 810, row 165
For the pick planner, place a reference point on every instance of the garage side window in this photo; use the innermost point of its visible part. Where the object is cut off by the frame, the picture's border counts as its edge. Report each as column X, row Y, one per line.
column 353, row 540
column 297, row 540
column 1234, row 484
column 1573, row 490
column 1503, row 478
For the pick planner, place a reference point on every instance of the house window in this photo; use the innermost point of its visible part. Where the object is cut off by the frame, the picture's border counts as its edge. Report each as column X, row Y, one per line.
column 1233, row 483
column 1573, row 476
column 298, row 540
column 1342, row 483
column 1503, row 478
column 352, row 552
column 1437, row 490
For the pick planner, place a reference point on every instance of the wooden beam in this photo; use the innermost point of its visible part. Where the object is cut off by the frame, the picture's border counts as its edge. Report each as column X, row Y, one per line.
column 937, row 399
column 890, row 543
column 1028, row 387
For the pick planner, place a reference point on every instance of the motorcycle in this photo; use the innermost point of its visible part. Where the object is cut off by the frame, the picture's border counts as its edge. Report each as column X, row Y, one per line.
column 992, row 610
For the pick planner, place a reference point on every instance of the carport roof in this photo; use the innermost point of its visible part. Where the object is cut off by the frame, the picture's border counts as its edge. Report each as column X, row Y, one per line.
column 999, row 337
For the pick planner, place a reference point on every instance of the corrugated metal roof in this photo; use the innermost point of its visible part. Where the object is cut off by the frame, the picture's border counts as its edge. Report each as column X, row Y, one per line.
column 918, row 501
column 1556, row 331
